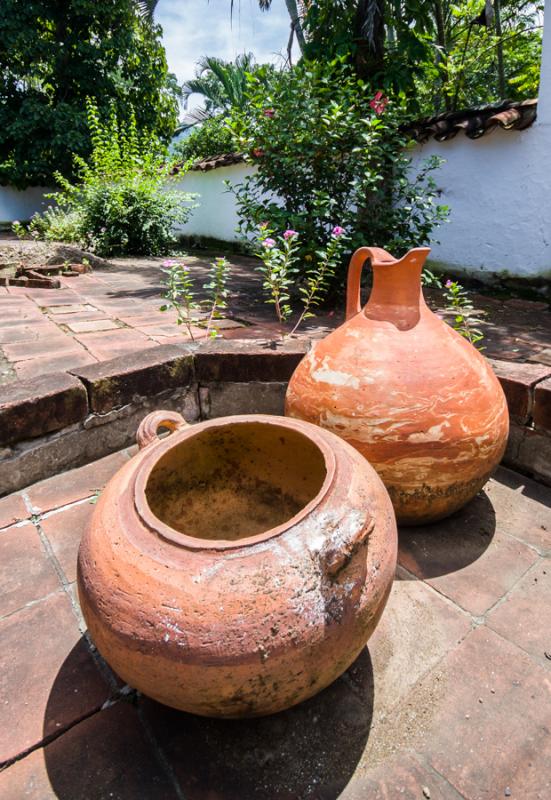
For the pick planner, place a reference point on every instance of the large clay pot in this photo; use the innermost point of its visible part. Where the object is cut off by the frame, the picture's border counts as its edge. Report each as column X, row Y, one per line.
column 238, row 566
column 411, row 394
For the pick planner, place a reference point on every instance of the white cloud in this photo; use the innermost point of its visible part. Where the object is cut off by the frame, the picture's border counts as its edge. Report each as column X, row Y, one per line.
column 195, row 28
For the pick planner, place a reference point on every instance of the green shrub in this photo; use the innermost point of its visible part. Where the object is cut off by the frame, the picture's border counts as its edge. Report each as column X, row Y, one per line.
column 212, row 138
column 121, row 203
column 55, row 225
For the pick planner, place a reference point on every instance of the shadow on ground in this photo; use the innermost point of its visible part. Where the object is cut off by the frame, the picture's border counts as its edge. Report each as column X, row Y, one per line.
column 308, row 752
column 429, row 551
column 527, row 487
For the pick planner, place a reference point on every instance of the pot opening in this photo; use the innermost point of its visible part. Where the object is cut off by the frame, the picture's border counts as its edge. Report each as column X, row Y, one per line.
column 235, row 481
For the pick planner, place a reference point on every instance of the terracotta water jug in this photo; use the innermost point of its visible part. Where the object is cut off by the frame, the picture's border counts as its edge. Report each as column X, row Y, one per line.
column 409, row 392
column 238, row 566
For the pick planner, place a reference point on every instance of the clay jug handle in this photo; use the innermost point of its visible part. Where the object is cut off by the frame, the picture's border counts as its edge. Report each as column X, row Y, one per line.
column 149, row 426
column 338, row 551
column 377, row 256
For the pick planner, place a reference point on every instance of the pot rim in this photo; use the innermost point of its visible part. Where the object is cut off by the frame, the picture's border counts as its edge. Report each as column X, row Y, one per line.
column 158, row 449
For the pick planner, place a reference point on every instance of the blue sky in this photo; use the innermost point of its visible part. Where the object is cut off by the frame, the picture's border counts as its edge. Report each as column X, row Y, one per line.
column 194, row 28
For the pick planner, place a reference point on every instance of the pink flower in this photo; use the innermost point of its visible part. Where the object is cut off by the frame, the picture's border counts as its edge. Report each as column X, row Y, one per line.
column 263, row 226
column 449, row 284
column 290, row 233
column 337, row 231
column 170, row 263
column 378, row 104
column 268, row 243
column 269, row 112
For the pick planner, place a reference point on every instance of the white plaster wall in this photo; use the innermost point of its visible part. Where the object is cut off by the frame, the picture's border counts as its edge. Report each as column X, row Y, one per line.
column 216, row 214
column 498, row 188
column 21, row 205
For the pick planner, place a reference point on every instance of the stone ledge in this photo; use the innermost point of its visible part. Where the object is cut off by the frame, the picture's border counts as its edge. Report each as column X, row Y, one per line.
column 111, row 384
column 529, row 452
column 40, row 406
column 239, row 361
column 518, row 382
column 95, row 407
column 542, row 405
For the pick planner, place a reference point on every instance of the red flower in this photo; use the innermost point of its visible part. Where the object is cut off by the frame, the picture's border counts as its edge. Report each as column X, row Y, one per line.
column 258, row 152
column 269, row 112
column 378, row 104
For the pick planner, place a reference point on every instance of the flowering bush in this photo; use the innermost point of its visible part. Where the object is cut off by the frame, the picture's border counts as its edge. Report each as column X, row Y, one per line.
column 179, row 294
column 327, row 146
column 279, row 259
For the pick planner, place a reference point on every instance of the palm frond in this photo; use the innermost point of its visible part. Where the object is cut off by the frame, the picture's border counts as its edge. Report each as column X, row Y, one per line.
column 146, row 8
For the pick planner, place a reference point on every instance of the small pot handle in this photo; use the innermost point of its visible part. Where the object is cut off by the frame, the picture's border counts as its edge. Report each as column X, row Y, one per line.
column 149, row 426
column 377, row 256
column 338, row 551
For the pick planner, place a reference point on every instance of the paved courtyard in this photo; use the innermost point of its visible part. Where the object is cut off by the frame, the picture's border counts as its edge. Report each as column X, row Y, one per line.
column 114, row 311
column 451, row 699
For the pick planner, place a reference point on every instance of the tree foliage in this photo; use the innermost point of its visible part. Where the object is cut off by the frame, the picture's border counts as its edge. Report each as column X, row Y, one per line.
column 55, row 54
column 438, row 55
column 221, row 84
column 213, row 137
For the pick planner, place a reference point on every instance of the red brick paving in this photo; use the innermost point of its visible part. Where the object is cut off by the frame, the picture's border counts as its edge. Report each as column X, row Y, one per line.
column 44, row 346
column 48, row 678
column 12, row 509
column 492, row 720
column 460, row 569
column 403, row 778
column 106, row 757
column 33, row 367
column 452, row 701
column 529, row 602
column 92, row 325
column 76, row 484
column 129, row 294
column 111, row 344
column 26, row 572
column 63, row 529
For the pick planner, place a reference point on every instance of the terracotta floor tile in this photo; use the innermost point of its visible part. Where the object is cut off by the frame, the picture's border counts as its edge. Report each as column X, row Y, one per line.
column 12, row 510
column 89, row 326
column 52, row 299
column 402, row 778
column 79, row 316
column 149, row 318
column 68, row 310
column 416, row 630
column 64, row 531
column 13, row 318
column 42, row 365
column 491, row 723
column 26, row 573
column 67, row 487
column 23, row 333
column 57, row 344
column 114, row 343
column 523, row 508
column 106, row 757
column 464, row 559
column 524, row 617
column 48, row 679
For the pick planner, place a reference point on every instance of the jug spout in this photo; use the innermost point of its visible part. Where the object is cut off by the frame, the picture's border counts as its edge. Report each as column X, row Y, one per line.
column 396, row 294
